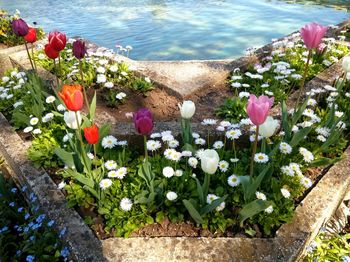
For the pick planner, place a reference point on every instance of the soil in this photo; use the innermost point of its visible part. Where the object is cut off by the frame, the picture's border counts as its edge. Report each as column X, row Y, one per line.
column 3, row 46
column 164, row 106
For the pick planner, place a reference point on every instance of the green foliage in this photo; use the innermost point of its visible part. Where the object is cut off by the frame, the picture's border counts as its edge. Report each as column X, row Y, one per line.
column 7, row 36
column 329, row 247
column 232, row 109
column 23, row 230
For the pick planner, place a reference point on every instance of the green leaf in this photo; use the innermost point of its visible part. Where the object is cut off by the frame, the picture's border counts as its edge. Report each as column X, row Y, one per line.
column 323, row 161
column 66, row 157
column 93, row 107
column 299, row 112
column 253, row 208
column 212, row 205
column 200, row 191
column 285, row 123
column 193, row 212
column 299, row 136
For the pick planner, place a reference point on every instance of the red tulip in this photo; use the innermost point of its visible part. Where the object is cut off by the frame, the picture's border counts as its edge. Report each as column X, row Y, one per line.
column 50, row 52
column 57, row 40
column 312, row 34
column 20, row 27
column 143, row 121
column 72, row 97
column 258, row 108
column 31, row 36
column 79, row 49
column 91, row 134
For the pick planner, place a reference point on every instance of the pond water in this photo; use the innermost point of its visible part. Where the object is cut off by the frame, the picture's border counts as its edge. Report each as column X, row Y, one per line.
column 182, row 29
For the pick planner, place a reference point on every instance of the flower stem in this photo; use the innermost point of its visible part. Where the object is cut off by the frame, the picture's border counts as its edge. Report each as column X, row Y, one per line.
column 57, row 80
column 301, row 90
column 255, row 145
column 145, row 146
column 82, row 81
column 31, row 62
column 33, row 58
column 95, row 155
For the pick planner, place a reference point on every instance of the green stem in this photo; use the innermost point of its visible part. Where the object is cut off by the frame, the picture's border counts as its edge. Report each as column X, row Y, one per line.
column 255, row 145
column 31, row 62
column 36, row 69
column 57, row 80
column 145, row 146
column 82, row 81
column 59, row 64
column 95, row 156
column 301, row 90
column 206, row 187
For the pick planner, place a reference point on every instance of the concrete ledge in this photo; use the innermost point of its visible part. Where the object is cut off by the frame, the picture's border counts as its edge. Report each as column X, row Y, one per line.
column 83, row 243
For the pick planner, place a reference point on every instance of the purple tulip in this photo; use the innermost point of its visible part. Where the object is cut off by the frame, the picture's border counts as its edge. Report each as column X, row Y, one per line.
column 312, row 34
column 20, row 27
column 79, row 49
column 143, row 121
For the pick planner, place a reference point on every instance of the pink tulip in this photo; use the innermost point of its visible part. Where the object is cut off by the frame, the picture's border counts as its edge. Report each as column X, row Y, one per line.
column 258, row 108
column 312, row 34
column 143, row 121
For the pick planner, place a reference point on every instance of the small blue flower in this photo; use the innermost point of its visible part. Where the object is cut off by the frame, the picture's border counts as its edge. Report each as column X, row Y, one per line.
column 26, row 216
column 12, row 204
column 30, row 258
column 18, row 252
column 346, row 259
column 31, row 238
column 24, row 188
column 5, row 228
column 19, row 210
column 62, row 232
column 40, row 218
column 50, row 223
column 65, row 252
column 14, row 190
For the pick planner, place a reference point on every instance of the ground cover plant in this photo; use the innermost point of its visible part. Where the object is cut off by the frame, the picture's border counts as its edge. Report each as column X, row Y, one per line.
column 25, row 233
column 248, row 180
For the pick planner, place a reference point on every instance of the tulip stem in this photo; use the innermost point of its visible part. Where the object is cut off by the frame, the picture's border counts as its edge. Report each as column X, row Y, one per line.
column 95, row 156
column 145, row 146
column 33, row 58
column 57, row 80
column 82, row 81
column 31, row 62
column 301, row 90
column 255, row 145
column 59, row 64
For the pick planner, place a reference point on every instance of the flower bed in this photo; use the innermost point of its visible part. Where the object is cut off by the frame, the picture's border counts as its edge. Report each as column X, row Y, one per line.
column 193, row 186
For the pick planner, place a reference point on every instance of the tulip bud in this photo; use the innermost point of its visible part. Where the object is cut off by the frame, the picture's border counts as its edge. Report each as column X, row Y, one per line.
column 346, row 64
column 31, row 36
column 57, row 40
column 143, row 121
column 71, row 120
column 91, row 134
column 20, row 27
column 187, row 109
column 79, row 49
column 312, row 34
column 258, row 108
column 269, row 127
column 209, row 161
column 50, row 52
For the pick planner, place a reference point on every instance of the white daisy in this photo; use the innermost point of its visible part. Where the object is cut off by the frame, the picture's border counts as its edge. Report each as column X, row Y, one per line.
column 285, row 193
column 287, row 170
column 28, row 129
column 168, row 171
column 109, row 142
column 285, row 148
column 126, row 204
column 105, row 183
column 269, row 210
column 223, row 165
column 171, row 196
column 120, row 95
column 261, row 158
column 199, row 141
column 50, row 99
column 173, row 143
column 61, row 107
column 153, row 145
column 110, row 165
column 186, row 153
column 193, row 162
column 37, row 131
column 178, row 173
column 34, row 121
column 121, row 172
column 109, row 85
column 209, row 122
column 233, row 180
column 260, row 195
column 233, row 134
column 218, row 144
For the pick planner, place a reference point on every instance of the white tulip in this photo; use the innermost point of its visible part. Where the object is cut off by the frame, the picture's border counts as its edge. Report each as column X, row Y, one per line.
column 346, row 64
column 269, row 127
column 187, row 109
column 209, row 161
column 70, row 119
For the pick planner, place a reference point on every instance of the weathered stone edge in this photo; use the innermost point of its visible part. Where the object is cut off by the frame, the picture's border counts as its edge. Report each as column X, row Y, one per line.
column 83, row 243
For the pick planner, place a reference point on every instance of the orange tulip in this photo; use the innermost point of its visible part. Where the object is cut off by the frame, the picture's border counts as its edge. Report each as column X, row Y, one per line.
column 72, row 97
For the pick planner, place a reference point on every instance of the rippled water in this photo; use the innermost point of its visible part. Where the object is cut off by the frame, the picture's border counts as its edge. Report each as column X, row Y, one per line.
column 183, row 29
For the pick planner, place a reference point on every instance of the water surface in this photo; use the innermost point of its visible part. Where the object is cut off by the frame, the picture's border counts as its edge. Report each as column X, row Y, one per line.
column 182, row 29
